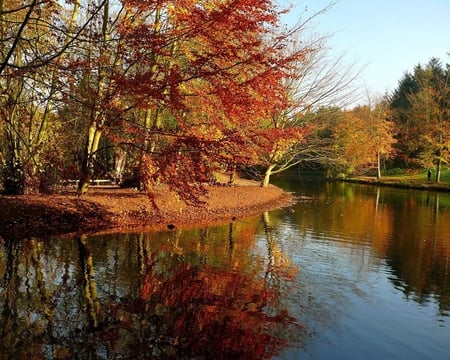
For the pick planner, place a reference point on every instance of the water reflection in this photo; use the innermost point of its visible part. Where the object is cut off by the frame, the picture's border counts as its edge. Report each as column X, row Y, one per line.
column 348, row 271
column 197, row 294
column 408, row 229
column 375, row 263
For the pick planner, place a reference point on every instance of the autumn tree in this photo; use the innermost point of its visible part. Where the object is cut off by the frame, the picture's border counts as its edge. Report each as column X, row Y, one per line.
column 362, row 137
column 185, row 90
column 207, row 75
column 90, row 84
column 352, row 143
column 318, row 81
column 27, row 46
column 382, row 131
column 430, row 109
column 34, row 37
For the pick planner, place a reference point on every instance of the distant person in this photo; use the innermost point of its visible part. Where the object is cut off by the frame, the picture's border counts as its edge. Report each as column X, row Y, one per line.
column 429, row 175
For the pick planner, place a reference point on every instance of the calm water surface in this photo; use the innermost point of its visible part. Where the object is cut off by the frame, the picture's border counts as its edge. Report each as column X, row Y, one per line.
column 349, row 271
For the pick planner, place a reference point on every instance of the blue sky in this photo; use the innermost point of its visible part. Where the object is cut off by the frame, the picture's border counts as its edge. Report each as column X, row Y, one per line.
column 387, row 37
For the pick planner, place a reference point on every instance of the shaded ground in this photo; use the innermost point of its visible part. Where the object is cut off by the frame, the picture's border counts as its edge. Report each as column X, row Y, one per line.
column 111, row 209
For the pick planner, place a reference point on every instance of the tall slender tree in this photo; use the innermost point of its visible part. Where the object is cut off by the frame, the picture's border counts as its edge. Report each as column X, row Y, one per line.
column 317, row 81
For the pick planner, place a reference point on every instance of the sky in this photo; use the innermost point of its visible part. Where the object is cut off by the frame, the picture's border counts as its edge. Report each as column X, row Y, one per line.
column 384, row 37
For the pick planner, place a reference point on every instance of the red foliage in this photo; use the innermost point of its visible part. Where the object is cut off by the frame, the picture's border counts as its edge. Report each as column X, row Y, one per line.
column 214, row 312
column 215, row 68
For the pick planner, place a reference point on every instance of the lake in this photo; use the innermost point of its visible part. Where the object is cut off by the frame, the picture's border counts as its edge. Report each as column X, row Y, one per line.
column 348, row 271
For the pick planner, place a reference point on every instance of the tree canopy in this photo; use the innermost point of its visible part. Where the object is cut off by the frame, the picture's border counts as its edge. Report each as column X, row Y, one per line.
column 182, row 89
column 420, row 107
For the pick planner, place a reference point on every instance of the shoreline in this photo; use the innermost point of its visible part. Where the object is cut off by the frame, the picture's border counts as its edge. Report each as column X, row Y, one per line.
column 398, row 183
column 114, row 210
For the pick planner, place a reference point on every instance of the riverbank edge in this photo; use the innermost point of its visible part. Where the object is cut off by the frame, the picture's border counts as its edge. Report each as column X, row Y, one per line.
column 406, row 184
column 107, row 210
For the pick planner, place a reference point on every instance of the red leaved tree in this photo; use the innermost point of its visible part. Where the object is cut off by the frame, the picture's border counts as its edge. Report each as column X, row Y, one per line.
column 205, row 76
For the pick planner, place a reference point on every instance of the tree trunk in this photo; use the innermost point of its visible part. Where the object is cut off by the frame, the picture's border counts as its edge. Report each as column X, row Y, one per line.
column 13, row 180
column 93, row 308
column 13, row 175
column 267, row 174
column 87, row 164
column 438, row 170
column 96, row 120
column 378, row 165
column 119, row 165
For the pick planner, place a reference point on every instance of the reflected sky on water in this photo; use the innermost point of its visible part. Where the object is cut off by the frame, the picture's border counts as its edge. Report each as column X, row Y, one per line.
column 349, row 271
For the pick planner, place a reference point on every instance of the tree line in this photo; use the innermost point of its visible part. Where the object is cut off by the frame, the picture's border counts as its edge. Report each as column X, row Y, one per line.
column 170, row 93
column 420, row 107
column 406, row 129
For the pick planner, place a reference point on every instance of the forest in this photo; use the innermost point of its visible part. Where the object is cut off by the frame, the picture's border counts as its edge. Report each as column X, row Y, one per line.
column 151, row 93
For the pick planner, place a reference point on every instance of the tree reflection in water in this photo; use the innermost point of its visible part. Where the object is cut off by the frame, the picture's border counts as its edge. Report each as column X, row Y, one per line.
column 195, row 294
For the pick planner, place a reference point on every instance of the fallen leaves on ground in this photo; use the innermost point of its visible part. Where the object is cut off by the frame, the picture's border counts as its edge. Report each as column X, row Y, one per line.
column 110, row 209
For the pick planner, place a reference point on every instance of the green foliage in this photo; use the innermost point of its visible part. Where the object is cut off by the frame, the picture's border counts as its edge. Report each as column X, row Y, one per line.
column 420, row 108
column 394, row 171
column 419, row 175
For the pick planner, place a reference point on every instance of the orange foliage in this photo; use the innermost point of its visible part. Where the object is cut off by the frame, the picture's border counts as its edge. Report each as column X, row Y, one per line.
column 215, row 69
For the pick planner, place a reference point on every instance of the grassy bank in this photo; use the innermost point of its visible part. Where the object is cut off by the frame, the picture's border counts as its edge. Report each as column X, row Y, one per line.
column 409, row 179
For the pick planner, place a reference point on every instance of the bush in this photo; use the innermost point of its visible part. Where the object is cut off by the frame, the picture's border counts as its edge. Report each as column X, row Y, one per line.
column 395, row 171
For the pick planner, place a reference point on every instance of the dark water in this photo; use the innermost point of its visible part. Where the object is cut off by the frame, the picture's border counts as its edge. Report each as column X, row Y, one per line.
column 350, row 271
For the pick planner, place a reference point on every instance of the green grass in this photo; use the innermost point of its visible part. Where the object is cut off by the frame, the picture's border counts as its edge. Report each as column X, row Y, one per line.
column 421, row 175
column 409, row 179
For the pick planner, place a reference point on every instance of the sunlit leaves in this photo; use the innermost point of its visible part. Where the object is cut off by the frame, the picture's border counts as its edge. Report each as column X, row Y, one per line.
column 361, row 136
column 215, row 68
column 185, row 87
